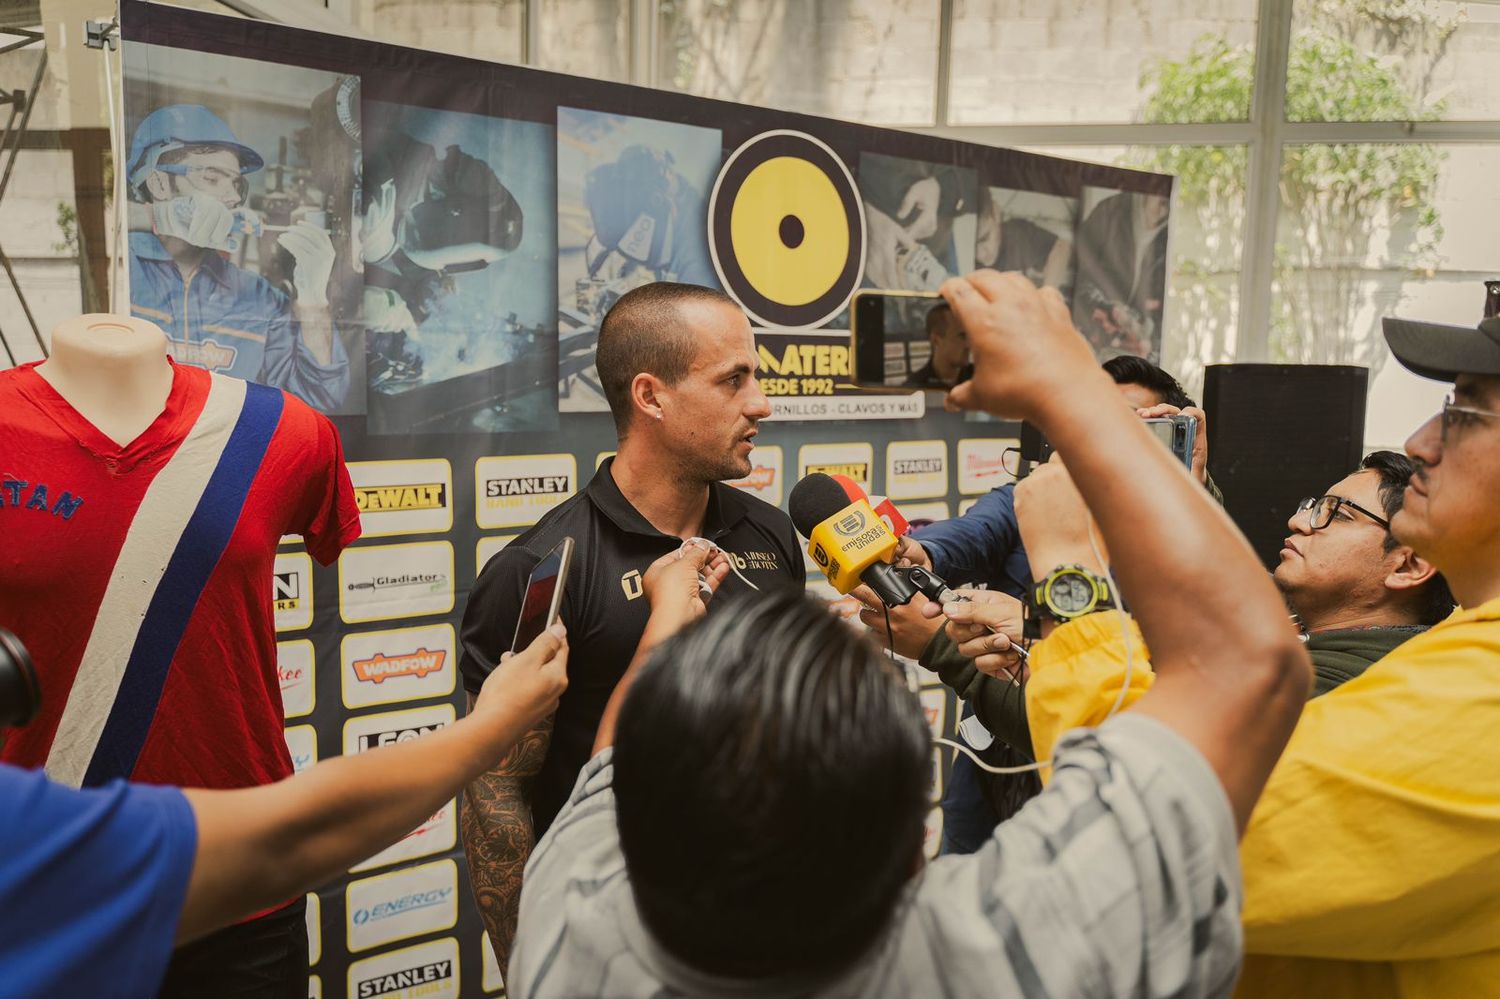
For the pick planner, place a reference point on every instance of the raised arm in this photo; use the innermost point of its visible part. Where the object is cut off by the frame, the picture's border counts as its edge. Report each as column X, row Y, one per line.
column 260, row 846
column 1231, row 677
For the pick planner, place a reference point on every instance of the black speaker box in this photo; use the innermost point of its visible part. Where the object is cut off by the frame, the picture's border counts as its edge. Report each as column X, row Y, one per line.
column 1277, row 433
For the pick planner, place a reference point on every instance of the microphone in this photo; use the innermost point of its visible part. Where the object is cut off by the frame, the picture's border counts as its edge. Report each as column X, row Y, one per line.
column 884, row 508
column 847, row 539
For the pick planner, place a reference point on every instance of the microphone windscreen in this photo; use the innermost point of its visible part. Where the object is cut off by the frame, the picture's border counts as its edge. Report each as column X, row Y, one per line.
column 813, row 500
column 852, row 489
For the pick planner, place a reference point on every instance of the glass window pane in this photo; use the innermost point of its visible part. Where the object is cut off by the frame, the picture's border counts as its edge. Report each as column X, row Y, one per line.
column 1375, row 230
column 1063, row 61
column 483, row 29
column 1413, row 61
column 1207, row 244
column 864, row 60
column 39, row 215
column 586, row 38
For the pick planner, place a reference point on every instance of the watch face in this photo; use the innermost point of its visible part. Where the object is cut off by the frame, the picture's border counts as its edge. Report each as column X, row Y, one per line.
column 1070, row 594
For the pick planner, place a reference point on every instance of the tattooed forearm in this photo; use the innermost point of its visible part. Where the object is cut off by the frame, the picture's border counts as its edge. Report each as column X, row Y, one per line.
column 498, row 835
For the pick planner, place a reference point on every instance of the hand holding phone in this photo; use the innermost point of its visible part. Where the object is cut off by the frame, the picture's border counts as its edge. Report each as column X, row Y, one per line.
column 903, row 340
column 542, row 603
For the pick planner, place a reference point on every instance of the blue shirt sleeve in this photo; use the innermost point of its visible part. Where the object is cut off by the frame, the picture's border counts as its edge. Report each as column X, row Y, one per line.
column 91, row 886
column 976, row 547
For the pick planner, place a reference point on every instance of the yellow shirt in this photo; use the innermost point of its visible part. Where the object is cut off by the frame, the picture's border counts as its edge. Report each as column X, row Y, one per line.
column 1372, row 861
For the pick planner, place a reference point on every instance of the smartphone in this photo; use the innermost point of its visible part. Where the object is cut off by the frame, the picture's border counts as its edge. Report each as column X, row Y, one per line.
column 1177, row 433
column 544, row 593
column 893, row 350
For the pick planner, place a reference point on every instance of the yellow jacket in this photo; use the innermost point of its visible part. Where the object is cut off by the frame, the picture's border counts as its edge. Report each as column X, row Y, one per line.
column 1372, row 862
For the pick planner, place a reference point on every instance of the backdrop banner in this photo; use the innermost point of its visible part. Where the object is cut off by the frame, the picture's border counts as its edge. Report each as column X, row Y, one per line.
column 422, row 246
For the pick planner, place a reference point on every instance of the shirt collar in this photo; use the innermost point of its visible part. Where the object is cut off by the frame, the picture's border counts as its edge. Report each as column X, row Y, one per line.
column 727, row 506
column 147, row 246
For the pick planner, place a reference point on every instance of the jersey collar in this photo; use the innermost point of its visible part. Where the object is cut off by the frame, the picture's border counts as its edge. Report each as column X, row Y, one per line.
column 727, row 506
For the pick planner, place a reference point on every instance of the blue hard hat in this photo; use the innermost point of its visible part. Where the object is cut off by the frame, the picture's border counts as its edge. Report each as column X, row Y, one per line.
column 185, row 125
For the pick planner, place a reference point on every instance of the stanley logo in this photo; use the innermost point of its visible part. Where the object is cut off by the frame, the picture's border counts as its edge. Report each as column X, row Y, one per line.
column 859, row 471
column 760, row 477
column 381, row 666
column 387, row 499
column 917, row 466
column 527, row 485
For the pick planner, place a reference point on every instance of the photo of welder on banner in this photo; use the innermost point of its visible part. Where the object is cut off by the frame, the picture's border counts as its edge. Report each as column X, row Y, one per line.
column 1122, row 272
column 458, row 249
column 240, row 188
column 631, row 209
column 920, row 218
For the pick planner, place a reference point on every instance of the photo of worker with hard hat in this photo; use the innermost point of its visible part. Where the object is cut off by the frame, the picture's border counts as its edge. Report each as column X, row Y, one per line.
column 632, row 196
column 459, row 249
column 235, row 241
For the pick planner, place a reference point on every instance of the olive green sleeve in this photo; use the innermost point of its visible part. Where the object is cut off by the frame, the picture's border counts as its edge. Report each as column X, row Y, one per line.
column 999, row 705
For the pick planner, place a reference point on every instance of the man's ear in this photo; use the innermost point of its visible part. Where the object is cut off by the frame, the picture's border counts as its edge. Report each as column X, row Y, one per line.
column 645, row 397
column 1410, row 570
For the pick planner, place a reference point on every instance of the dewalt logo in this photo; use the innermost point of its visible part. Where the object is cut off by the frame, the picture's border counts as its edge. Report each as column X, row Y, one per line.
column 394, row 498
column 859, row 471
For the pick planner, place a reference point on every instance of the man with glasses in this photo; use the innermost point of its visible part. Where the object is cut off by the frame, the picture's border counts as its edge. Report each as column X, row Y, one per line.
column 1357, row 592
column 1372, row 860
column 189, row 215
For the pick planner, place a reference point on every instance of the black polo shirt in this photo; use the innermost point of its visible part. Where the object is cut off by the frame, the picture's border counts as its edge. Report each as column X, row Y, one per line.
column 603, row 606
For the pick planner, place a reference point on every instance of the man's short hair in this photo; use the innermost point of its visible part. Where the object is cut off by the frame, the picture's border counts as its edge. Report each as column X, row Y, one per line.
column 644, row 331
column 938, row 317
column 1395, row 471
column 772, row 773
column 1127, row 369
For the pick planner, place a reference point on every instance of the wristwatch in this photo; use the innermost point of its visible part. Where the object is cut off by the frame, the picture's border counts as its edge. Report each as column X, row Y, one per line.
column 1068, row 592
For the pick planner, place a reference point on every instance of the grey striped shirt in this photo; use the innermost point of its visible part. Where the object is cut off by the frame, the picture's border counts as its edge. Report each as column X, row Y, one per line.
column 1121, row 879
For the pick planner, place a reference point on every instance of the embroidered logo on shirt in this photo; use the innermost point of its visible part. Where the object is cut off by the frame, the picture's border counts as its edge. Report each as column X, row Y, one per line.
column 20, row 492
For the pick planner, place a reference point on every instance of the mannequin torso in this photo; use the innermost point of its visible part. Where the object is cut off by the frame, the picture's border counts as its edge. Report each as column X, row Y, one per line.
column 113, row 370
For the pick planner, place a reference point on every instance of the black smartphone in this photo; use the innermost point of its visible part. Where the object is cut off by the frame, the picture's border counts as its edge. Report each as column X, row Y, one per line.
column 906, row 341
column 544, row 593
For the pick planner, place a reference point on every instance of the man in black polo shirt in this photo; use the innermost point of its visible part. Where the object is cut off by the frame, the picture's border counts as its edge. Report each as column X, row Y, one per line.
column 677, row 363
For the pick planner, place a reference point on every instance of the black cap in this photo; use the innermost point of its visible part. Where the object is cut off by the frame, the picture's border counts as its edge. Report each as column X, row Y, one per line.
column 1435, row 350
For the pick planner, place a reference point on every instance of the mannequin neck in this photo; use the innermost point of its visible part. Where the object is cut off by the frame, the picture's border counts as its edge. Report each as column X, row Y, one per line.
column 113, row 370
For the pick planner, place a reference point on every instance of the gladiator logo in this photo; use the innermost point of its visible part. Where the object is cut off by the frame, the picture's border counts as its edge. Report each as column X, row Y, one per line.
column 287, row 590
column 203, row 354
column 432, row 580
column 405, row 978
column 384, row 499
column 850, row 524
column 632, row 585
column 374, row 740
column 918, row 466
column 859, row 471
column 527, row 485
column 379, row 667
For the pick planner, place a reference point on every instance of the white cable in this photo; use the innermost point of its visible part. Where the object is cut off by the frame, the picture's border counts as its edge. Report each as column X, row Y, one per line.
column 729, row 557
column 1114, row 599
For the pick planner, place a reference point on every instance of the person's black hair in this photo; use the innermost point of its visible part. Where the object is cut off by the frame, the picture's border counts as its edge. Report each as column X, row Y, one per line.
column 1127, row 369
column 644, row 331
column 1395, row 470
column 772, row 773
column 937, row 317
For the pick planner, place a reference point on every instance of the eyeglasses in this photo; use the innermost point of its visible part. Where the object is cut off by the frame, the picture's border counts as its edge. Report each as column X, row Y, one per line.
column 209, row 179
column 1325, row 508
column 1462, row 416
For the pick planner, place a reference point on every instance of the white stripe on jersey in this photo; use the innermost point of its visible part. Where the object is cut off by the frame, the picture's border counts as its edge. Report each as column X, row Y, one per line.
column 165, row 510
